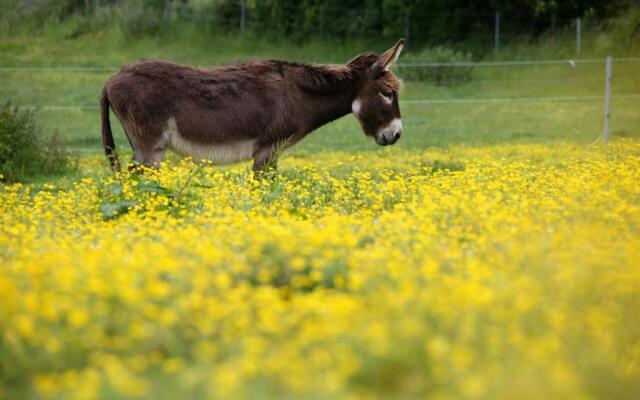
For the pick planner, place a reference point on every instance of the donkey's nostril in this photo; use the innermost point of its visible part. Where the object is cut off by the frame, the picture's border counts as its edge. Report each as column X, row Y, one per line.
column 396, row 135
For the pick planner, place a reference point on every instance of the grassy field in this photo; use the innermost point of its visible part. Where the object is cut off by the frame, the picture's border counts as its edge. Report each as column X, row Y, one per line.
column 492, row 253
column 426, row 124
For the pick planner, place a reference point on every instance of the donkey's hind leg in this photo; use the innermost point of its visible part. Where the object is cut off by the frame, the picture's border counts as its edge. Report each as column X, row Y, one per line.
column 265, row 160
column 148, row 145
column 150, row 154
column 154, row 155
column 132, row 137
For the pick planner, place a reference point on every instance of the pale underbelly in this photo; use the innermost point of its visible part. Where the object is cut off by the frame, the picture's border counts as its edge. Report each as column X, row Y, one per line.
column 218, row 153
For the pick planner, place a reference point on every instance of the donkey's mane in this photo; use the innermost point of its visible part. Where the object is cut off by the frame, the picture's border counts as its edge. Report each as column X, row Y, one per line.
column 323, row 78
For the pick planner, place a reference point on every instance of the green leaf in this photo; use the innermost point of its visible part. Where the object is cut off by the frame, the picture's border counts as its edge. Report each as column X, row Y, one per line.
column 115, row 209
column 115, row 188
column 149, row 186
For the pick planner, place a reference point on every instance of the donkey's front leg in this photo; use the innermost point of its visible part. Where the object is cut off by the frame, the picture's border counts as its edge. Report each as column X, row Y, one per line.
column 265, row 160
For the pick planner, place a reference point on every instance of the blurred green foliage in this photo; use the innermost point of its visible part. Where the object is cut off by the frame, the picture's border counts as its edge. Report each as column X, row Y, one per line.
column 23, row 152
column 626, row 28
column 426, row 22
column 437, row 75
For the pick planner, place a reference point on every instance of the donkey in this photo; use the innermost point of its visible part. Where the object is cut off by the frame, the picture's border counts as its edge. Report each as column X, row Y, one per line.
column 238, row 112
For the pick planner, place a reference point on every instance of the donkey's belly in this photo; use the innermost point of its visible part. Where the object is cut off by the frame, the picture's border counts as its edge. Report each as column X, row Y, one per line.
column 223, row 153
column 219, row 153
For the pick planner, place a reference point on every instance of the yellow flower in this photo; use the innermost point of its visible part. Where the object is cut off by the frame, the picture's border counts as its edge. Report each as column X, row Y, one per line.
column 503, row 270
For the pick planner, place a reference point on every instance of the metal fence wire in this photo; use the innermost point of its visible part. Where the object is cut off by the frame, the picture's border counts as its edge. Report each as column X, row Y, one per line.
column 492, row 28
column 496, row 94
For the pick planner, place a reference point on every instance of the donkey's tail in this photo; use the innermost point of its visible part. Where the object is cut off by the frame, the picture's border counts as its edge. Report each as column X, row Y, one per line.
column 107, row 137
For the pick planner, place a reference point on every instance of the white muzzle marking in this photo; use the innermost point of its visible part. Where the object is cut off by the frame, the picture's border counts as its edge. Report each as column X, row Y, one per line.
column 390, row 130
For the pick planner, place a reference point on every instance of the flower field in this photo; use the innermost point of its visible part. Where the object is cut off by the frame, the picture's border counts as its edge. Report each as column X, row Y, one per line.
column 488, row 272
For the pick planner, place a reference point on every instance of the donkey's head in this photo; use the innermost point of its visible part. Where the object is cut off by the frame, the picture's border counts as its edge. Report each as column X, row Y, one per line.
column 376, row 101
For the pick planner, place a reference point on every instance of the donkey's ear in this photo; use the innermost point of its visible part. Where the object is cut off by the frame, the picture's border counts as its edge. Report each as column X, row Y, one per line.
column 390, row 56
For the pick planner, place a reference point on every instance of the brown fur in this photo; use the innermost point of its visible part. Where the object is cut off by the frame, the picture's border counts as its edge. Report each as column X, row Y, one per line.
column 269, row 102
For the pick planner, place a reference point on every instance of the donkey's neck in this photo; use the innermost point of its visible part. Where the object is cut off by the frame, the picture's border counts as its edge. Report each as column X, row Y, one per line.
column 329, row 92
column 327, row 109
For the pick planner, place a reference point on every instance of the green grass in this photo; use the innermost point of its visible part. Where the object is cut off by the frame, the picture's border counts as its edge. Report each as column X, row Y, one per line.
column 426, row 125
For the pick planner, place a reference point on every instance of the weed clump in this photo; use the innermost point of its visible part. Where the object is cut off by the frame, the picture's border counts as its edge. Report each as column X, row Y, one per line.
column 23, row 152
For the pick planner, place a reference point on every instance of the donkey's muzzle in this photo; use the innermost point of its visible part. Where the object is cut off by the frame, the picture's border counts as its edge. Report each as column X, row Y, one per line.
column 389, row 134
column 387, row 139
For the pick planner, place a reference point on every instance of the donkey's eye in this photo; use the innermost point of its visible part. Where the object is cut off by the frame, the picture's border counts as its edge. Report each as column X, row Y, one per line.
column 388, row 96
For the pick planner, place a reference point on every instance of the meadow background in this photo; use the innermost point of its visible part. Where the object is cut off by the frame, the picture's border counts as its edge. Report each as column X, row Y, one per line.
column 491, row 253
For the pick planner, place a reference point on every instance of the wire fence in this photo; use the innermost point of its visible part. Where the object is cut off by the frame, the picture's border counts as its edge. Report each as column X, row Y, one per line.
column 483, row 26
column 472, row 26
column 423, row 101
column 493, row 28
column 490, row 27
column 508, row 63
column 502, row 98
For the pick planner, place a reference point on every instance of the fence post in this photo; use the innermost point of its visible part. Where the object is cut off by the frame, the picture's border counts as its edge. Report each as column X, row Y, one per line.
column 243, row 15
column 166, row 15
column 578, row 36
column 496, row 33
column 407, row 26
column 607, row 99
column 97, row 6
